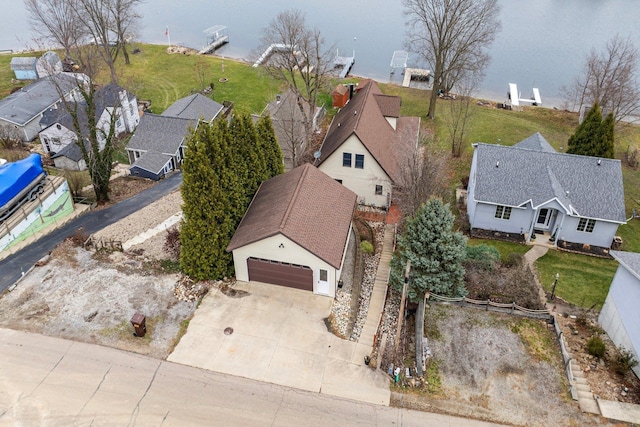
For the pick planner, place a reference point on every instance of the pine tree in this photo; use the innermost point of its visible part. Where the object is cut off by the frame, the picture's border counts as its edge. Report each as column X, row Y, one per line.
column 582, row 141
column 436, row 253
column 272, row 153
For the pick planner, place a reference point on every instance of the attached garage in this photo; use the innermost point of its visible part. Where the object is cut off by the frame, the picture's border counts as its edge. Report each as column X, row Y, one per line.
column 280, row 273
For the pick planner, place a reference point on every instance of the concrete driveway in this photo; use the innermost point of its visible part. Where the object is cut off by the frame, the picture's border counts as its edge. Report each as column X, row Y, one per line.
column 279, row 336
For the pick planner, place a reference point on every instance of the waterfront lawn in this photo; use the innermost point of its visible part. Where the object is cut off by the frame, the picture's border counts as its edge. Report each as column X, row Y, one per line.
column 163, row 78
column 584, row 280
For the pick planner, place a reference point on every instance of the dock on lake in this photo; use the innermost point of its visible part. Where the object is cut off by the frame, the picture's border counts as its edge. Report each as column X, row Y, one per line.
column 414, row 74
column 346, row 62
column 399, row 60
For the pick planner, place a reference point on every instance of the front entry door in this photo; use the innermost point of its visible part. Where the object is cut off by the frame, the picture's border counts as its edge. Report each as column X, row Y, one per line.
column 323, row 282
column 544, row 215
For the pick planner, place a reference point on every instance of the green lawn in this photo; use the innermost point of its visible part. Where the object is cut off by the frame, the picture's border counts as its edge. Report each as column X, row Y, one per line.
column 583, row 281
column 505, row 248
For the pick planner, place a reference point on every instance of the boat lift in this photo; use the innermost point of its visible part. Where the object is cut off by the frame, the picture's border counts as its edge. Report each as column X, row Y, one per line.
column 216, row 37
column 515, row 96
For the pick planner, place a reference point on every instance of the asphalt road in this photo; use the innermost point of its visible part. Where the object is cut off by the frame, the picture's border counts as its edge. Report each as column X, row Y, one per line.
column 12, row 267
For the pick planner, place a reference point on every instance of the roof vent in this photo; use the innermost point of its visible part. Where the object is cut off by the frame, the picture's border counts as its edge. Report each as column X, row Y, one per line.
column 338, row 124
column 355, row 112
column 498, row 163
column 599, row 161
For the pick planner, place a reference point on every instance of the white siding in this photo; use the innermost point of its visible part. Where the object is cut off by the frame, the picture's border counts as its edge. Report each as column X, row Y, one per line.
column 63, row 135
column 471, row 189
column 361, row 181
column 602, row 235
column 269, row 248
column 620, row 317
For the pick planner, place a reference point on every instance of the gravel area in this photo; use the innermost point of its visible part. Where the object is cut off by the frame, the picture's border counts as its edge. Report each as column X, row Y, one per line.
column 341, row 309
column 73, row 295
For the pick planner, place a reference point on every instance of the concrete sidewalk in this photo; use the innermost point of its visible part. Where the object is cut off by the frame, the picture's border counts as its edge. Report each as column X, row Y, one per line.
column 279, row 336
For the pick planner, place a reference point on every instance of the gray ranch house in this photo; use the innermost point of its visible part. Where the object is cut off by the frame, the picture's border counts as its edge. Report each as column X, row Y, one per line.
column 620, row 317
column 530, row 189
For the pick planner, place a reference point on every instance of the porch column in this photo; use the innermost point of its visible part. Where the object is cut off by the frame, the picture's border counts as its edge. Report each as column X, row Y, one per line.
column 533, row 221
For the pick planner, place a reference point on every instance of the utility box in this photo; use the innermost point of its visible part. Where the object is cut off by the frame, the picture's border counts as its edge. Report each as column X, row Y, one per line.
column 138, row 321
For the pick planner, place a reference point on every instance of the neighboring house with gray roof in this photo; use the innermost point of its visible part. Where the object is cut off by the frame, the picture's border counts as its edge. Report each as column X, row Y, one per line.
column 158, row 144
column 620, row 316
column 70, row 158
column 296, row 232
column 24, row 67
column 22, row 110
column 368, row 144
column 529, row 188
column 195, row 107
column 288, row 125
column 58, row 130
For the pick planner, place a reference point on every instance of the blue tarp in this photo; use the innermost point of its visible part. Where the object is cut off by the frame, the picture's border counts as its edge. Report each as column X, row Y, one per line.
column 16, row 176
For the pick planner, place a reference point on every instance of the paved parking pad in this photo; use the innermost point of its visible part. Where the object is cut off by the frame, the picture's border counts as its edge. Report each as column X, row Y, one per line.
column 279, row 336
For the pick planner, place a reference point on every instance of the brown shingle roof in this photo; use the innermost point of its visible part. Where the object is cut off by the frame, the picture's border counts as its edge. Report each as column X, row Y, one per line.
column 365, row 115
column 305, row 205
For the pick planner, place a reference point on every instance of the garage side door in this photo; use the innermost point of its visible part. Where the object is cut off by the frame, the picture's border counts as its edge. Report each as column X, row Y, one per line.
column 280, row 273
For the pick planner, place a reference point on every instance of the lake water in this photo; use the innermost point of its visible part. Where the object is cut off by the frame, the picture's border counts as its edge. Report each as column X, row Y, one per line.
column 543, row 43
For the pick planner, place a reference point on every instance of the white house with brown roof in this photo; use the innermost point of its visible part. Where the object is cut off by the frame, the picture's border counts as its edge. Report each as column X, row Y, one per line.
column 295, row 232
column 366, row 144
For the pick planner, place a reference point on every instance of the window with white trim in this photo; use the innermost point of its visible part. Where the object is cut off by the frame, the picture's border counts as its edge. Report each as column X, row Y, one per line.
column 359, row 161
column 378, row 190
column 586, row 225
column 503, row 212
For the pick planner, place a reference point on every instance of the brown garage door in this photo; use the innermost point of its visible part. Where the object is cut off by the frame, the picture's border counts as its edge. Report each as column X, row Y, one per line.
column 280, row 273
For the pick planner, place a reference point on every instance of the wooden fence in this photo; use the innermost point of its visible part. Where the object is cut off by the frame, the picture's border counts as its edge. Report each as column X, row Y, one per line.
column 489, row 305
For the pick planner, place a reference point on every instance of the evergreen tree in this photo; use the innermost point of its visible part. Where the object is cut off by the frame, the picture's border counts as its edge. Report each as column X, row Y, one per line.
column 436, row 253
column 274, row 164
column 206, row 224
column 608, row 136
column 582, row 141
column 594, row 136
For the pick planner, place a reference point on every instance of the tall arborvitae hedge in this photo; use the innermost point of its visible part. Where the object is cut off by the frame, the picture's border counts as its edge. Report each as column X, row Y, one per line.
column 274, row 164
column 223, row 168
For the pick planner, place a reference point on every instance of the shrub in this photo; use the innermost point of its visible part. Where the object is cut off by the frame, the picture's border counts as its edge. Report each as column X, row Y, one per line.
column 366, row 247
column 596, row 347
column 624, row 361
column 172, row 244
column 483, row 256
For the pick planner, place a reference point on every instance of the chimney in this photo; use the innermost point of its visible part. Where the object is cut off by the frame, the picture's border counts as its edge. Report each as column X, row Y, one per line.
column 351, row 90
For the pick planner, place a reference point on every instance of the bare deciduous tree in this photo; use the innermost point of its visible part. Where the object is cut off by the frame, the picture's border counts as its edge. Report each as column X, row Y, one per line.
column 460, row 112
column 610, row 78
column 452, row 36
column 57, row 22
column 125, row 21
column 423, row 175
column 302, row 63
